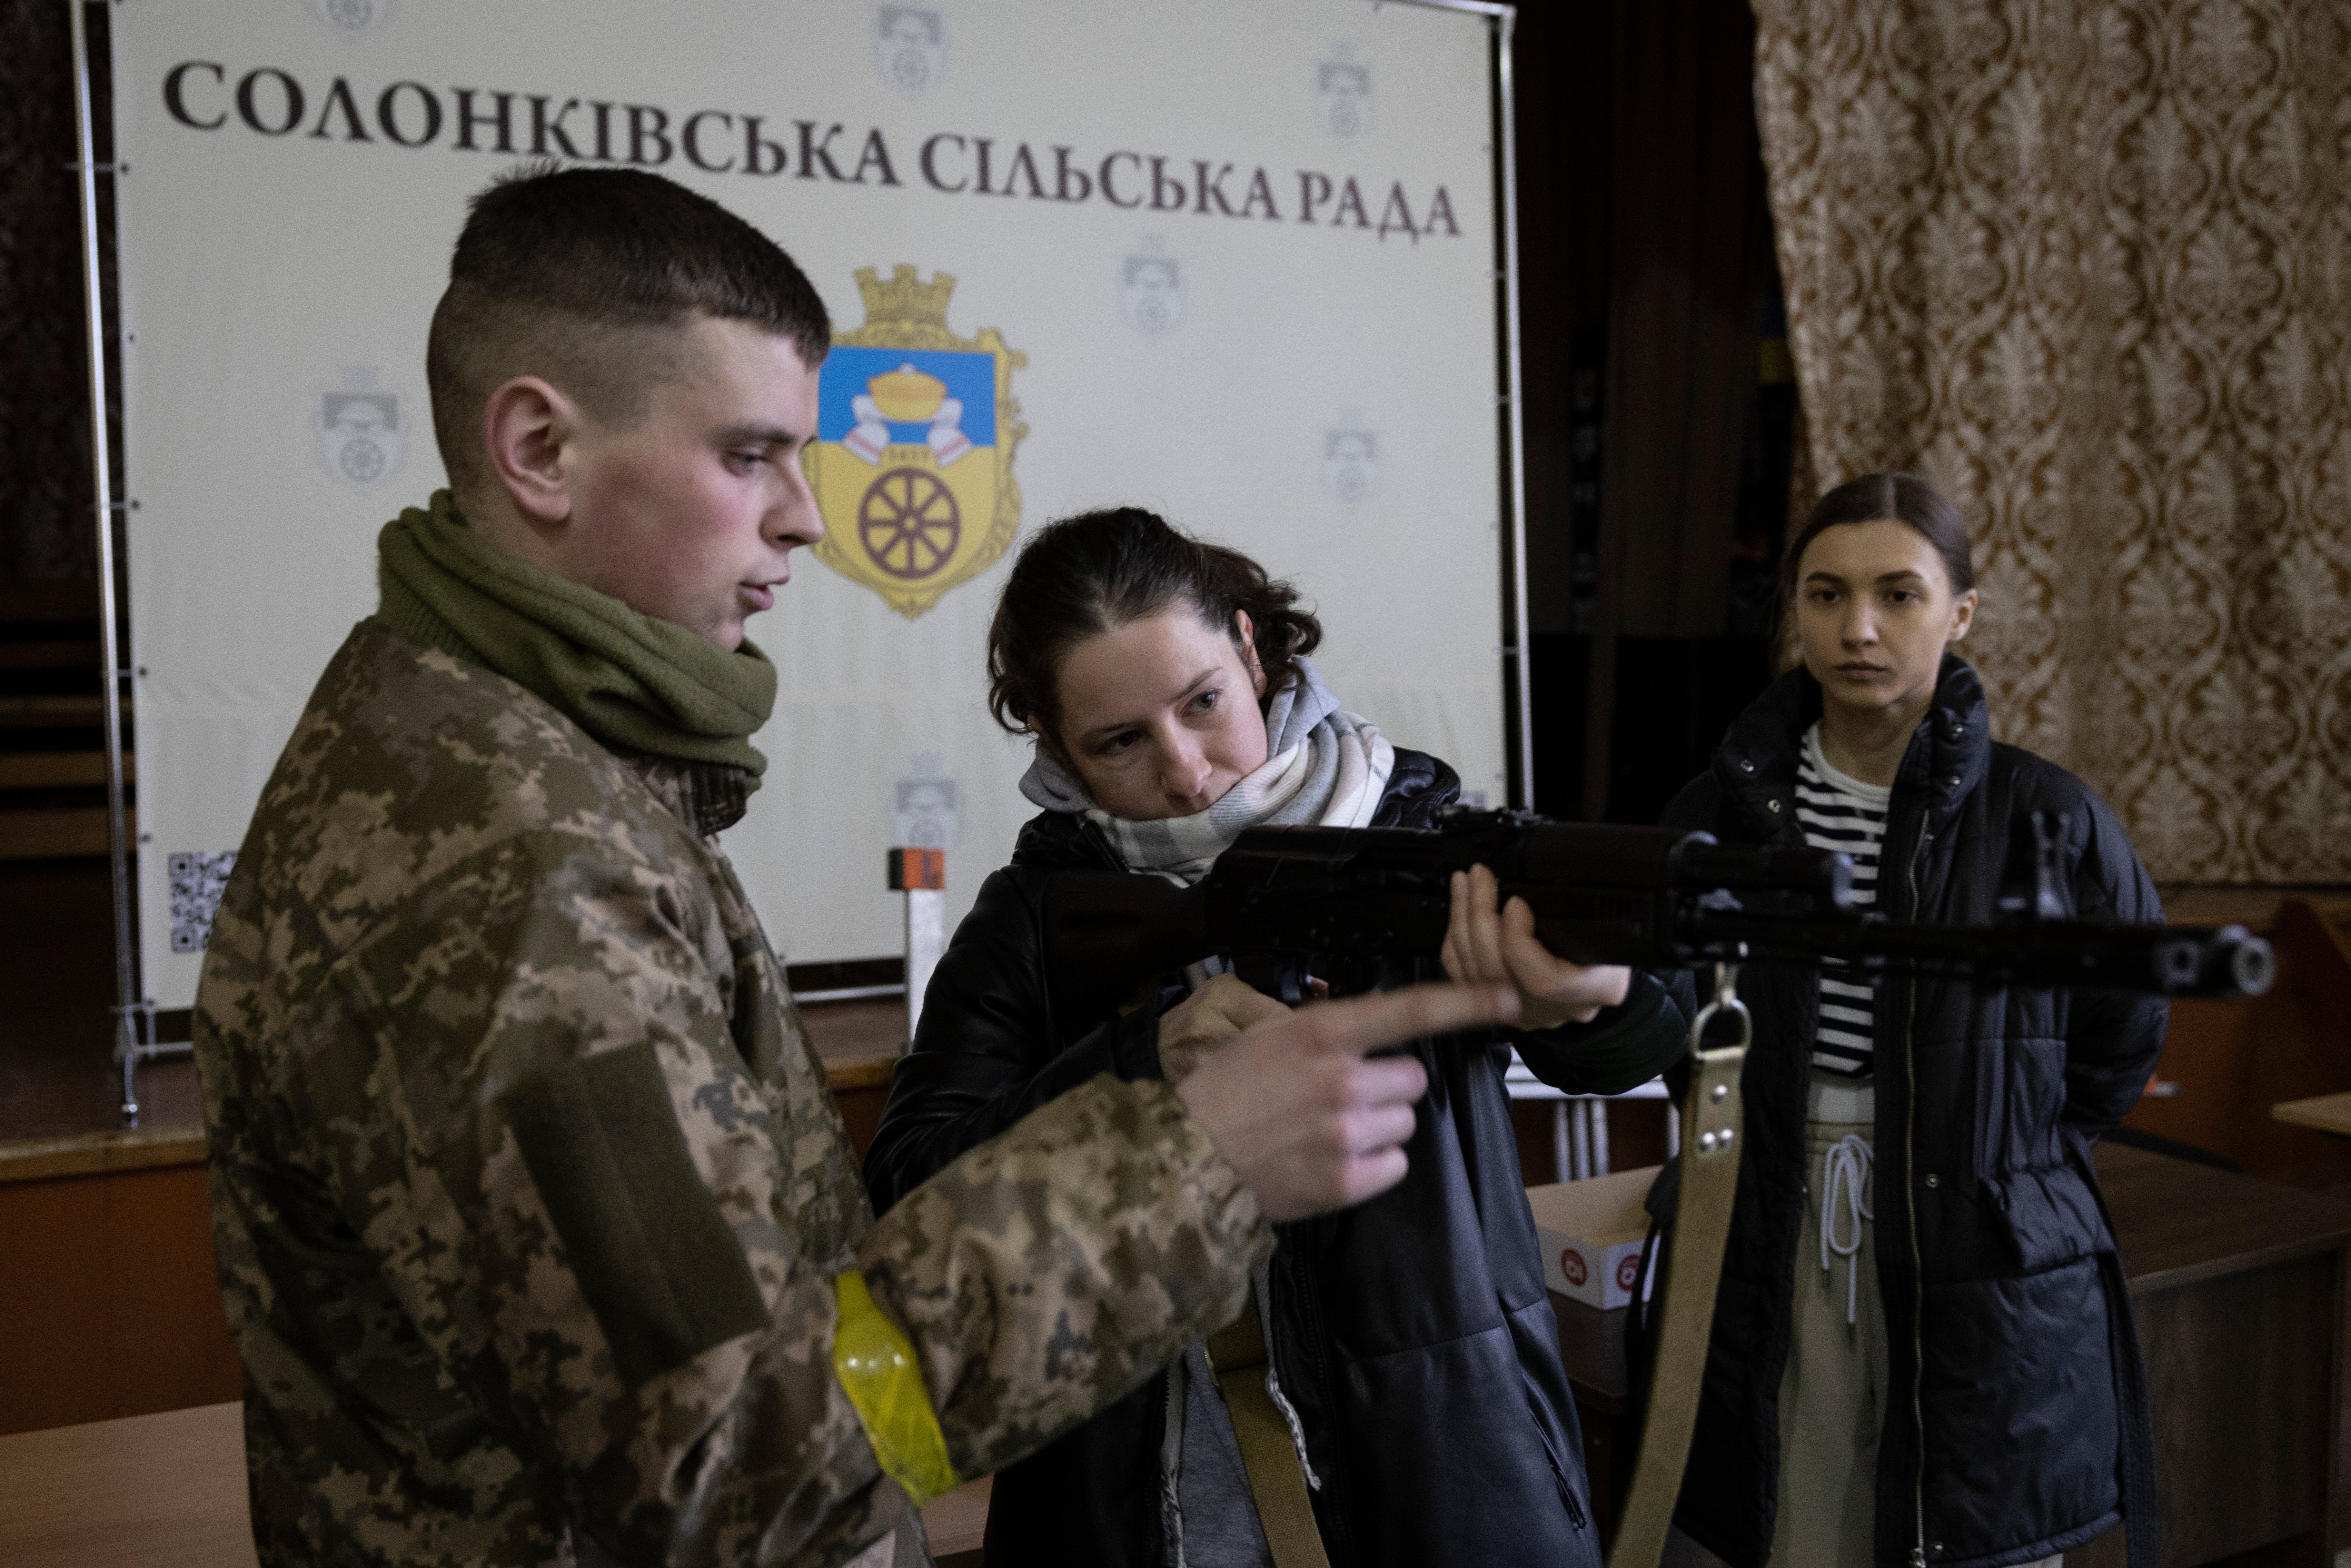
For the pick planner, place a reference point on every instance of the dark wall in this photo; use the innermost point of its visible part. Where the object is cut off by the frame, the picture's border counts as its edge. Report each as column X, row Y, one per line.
column 46, row 543
column 1659, row 413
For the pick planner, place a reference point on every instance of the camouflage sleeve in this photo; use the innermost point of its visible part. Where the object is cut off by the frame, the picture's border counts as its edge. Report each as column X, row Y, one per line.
column 621, row 1242
column 1095, row 1238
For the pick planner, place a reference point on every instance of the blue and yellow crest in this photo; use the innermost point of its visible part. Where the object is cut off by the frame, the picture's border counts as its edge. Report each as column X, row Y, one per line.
column 913, row 460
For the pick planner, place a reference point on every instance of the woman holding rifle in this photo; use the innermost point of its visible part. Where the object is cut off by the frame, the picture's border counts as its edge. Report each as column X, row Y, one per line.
column 1410, row 1358
column 1922, row 1349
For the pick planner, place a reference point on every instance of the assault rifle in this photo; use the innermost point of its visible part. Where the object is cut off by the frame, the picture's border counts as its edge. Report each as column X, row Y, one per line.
column 1285, row 902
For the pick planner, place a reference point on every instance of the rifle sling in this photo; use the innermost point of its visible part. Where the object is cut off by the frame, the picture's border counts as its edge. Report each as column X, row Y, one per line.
column 1277, row 1481
column 1712, row 1139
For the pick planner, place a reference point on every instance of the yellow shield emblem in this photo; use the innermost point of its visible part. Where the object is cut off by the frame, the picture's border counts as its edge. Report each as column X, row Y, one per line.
column 913, row 461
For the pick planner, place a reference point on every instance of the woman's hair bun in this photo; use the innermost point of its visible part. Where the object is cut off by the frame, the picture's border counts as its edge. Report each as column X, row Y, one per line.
column 1085, row 575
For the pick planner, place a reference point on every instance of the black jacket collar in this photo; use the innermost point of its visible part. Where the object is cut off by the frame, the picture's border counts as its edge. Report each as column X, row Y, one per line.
column 1756, row 763
column 1063, row 840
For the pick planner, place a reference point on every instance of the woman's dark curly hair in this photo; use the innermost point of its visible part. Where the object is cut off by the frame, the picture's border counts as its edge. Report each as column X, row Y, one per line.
column 1085, row 575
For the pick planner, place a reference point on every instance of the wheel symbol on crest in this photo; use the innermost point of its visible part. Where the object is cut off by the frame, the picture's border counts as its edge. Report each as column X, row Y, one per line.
column 361, row 459
column 909, row 523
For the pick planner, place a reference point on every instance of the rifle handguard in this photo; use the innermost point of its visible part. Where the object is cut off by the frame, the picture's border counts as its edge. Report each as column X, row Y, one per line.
column 1699, row 862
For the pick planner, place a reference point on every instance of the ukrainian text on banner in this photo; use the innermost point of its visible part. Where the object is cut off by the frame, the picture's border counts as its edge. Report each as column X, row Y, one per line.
column 1230, row 261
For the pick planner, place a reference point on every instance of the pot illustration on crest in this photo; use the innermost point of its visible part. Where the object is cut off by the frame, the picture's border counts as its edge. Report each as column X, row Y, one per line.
column 913, row 461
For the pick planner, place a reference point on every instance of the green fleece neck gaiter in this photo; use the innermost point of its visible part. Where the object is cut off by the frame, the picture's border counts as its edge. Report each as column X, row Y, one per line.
column 629, row 680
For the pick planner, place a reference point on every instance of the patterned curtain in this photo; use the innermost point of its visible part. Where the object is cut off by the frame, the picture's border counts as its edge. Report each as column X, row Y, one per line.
column 2087, row 265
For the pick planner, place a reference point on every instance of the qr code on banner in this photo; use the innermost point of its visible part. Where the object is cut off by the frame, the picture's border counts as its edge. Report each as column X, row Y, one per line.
column 197, row 880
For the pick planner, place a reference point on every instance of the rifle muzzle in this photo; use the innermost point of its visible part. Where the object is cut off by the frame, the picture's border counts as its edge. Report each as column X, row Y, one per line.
column 2232, row 962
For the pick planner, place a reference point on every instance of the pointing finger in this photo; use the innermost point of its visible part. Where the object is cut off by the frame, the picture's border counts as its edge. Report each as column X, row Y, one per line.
column 1365, row 1024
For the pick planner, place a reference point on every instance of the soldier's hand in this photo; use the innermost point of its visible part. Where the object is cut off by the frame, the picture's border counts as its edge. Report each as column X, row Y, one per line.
column 1217, row 1012
column 1309, row 1122
column 1487, row 946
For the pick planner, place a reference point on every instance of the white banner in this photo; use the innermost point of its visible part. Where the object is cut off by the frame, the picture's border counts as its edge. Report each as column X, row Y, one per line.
column 1229, row 260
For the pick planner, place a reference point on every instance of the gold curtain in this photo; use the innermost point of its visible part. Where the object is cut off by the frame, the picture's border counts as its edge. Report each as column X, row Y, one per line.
column 2087, row 265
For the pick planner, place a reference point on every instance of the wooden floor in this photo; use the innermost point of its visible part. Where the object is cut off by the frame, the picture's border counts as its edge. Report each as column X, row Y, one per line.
column 857, row 1031
column 168, row 1491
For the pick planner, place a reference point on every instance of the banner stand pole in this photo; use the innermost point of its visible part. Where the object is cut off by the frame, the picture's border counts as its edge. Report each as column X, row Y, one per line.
column 134, row 1016
column 1517, row 642
column 1522, row 653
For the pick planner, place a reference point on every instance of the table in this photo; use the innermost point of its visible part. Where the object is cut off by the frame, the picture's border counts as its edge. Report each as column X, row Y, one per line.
column 2239, row 1289
column 168, row 1491
column 2327, row 1113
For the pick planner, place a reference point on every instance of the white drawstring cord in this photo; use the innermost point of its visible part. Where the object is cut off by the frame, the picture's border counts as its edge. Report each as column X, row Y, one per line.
column 1844, row 1185
column 1262, row 1283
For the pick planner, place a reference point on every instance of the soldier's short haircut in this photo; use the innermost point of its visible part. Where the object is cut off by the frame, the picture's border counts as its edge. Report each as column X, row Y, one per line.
column 582, row 276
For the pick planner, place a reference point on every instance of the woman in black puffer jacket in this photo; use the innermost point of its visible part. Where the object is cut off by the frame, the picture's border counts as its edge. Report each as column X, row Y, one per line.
column 1412, row 1345
column 1975, row 1398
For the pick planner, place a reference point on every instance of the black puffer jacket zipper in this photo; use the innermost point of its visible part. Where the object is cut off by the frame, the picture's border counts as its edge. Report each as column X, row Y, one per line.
column 1910, row 1203
column 1313, row 1333
column 1566, row 1492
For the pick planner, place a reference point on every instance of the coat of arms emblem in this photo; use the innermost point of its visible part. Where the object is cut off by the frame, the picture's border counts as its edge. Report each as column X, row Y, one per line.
column 1351, row 462
column 913, row 461
column 362, row 437
column 910, row 47
column 925, row 807
column 353, row 18
column 1342, row 95
column 1151, row 293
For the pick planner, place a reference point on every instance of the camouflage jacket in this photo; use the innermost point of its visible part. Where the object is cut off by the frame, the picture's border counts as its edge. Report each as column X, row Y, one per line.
column 528, row 1190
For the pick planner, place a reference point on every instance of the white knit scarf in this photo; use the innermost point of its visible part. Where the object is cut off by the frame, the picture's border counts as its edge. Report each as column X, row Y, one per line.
column 1328, row 769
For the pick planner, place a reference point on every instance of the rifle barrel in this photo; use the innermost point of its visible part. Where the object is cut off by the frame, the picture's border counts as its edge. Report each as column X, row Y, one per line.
column 2157, row 960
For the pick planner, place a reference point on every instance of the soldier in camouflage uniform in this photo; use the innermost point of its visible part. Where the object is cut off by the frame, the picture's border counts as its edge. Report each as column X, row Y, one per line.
column 537, row 1228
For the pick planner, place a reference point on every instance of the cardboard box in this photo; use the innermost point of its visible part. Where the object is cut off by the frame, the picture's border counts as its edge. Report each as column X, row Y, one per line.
column 1591, row 1233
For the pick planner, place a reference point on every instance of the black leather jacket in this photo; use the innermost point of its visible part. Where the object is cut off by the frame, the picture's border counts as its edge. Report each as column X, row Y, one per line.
column 1413, row 1332
column 2017, row 1421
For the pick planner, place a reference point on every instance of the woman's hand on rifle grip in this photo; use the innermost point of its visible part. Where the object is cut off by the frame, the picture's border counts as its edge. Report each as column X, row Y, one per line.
column 1489, row 942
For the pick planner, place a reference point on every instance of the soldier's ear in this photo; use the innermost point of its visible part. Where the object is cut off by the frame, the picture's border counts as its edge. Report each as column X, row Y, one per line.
column 529, row 430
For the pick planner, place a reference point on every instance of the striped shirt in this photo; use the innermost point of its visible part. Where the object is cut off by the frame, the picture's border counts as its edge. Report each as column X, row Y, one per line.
column 1840, row 812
